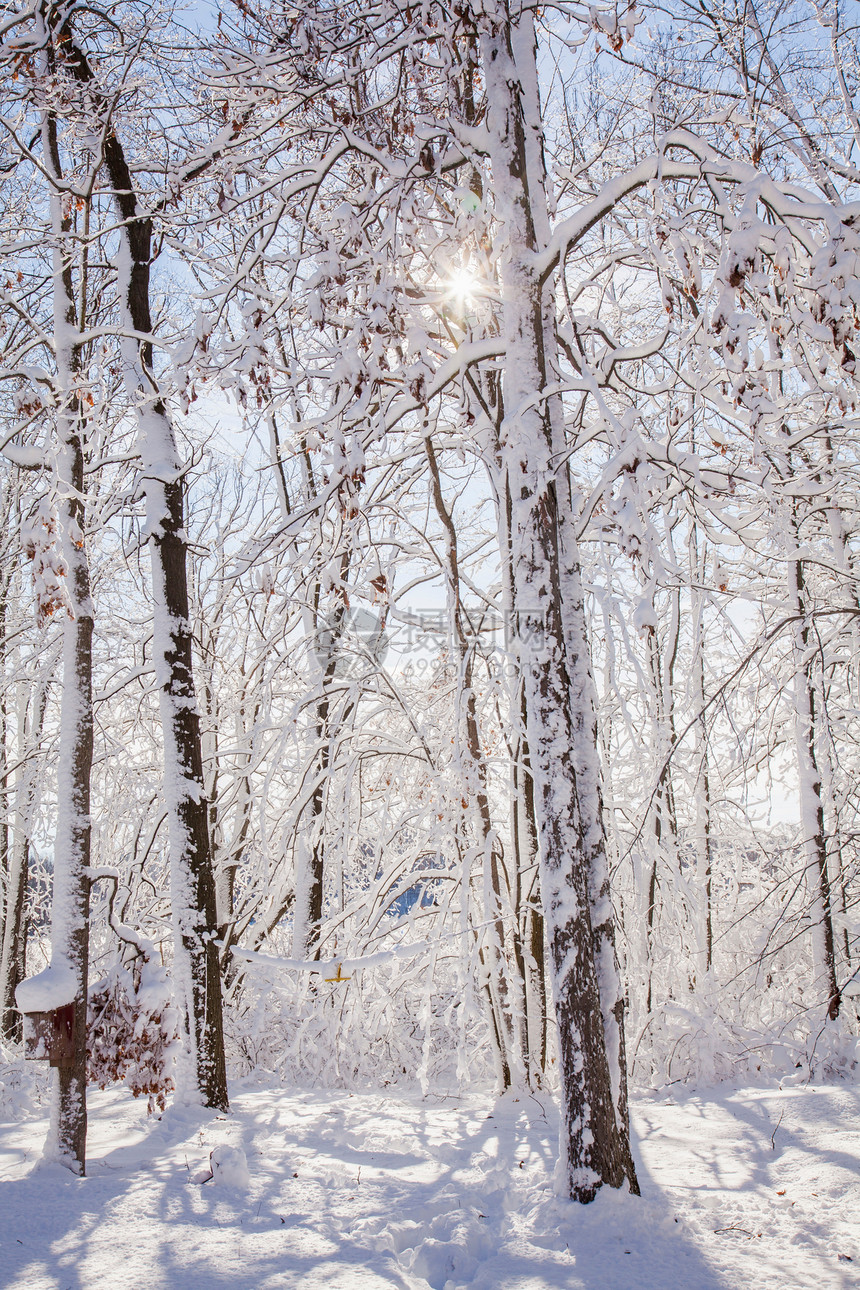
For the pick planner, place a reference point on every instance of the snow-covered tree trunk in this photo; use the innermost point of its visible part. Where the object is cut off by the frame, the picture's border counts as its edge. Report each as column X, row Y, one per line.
column 583, row 696
column 845, row 565
column 326, row 622
column 524, row 837
column 6, row 517
column 13, row 952
column 195, row 917
column 193, row 899
column 5, row 585
column 71, row 893
column 589, row 784
column 526, row 853
column 506, row 1004
column 704, row 842
column 594, row 1141
column 814, row 840
column 328, row 627
column 310, row 870
column 65, row 980
column 194, row 912
column 664, row 824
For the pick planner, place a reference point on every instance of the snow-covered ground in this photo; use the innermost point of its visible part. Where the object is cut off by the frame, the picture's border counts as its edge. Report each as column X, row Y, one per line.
column 755, row 1188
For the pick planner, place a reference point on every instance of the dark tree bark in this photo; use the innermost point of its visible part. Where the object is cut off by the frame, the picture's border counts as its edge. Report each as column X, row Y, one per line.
column 811, row 799
column 192, row 877
column 594, row 1138
column 70, row 922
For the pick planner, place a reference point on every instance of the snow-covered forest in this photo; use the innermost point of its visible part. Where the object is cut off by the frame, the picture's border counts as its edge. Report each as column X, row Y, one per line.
column 430, row 587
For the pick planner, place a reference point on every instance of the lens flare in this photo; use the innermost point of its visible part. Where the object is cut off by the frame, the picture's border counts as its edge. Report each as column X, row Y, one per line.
column 462, row 284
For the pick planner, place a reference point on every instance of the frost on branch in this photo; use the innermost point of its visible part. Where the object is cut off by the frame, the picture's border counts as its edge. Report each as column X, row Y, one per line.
column 616, row 29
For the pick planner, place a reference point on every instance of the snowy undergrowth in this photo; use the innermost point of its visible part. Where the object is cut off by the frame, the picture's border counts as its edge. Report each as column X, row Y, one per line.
column 416, row 1025
column 24, row 1086
column 754, row 1187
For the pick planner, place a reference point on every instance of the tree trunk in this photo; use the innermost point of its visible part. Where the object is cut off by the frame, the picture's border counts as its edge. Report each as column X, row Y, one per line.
column 310, row 867
column 5, row 583
column 12, row 961
column 589, row 781
column 664, row 827
column 528, row 906
column 704, row 845
column 71, row 893
column 508, row 1019
column 811, row 801
column 594, row 1140
column 192, row 880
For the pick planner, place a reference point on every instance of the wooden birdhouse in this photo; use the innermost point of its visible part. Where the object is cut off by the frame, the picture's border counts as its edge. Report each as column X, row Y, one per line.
column 51, row 1035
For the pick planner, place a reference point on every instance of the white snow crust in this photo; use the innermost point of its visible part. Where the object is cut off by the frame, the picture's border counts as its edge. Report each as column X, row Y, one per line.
column 51, row 988
column 229, row 1166
column 752, row 1188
